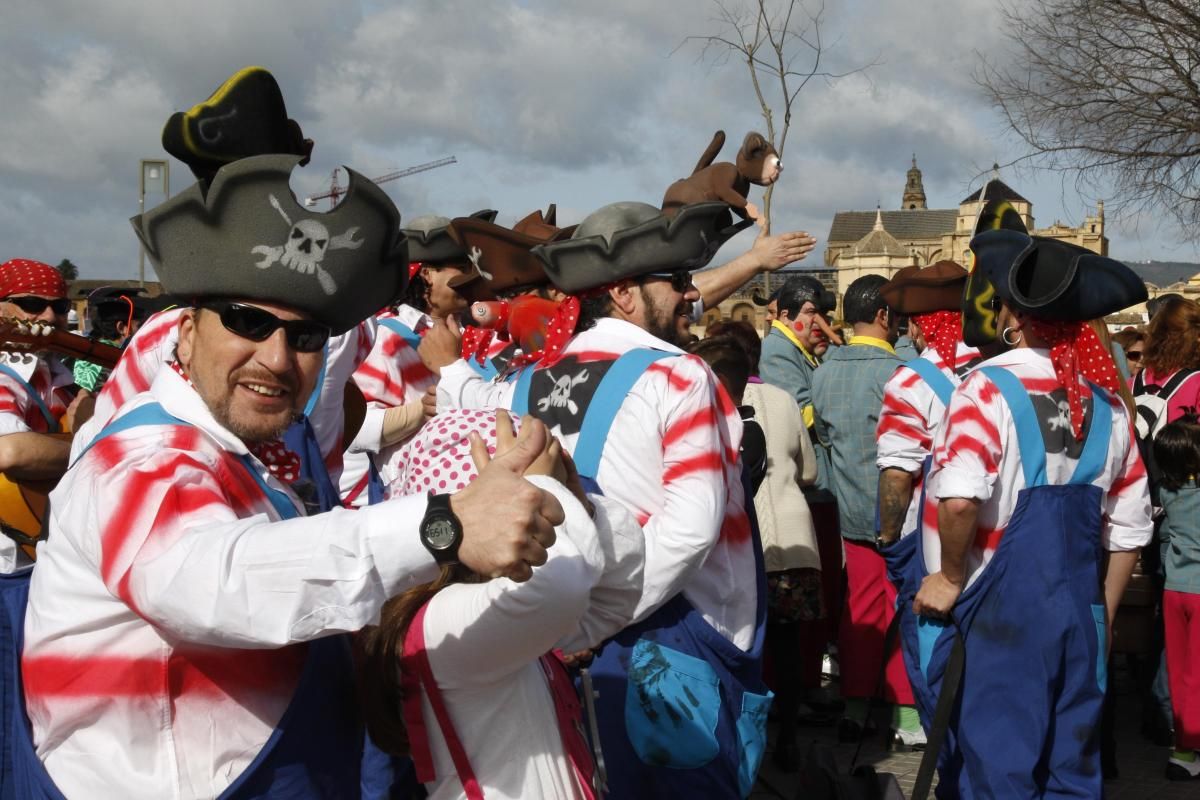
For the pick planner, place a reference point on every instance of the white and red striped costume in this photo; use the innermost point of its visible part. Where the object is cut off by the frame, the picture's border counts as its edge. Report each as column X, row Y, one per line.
column 910, row 417
column 153, row 347
column 391, row 375
column 20, row 414
column 978, row 430
column 673, row 462
column 169, row 608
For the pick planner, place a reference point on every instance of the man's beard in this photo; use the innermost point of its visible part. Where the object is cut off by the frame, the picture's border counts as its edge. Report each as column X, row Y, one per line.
column 664, row 325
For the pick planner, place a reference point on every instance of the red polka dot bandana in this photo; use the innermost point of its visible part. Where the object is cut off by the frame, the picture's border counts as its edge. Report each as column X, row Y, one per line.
column 942, row 331
column 438, row 458
column 1076, row 350
column 476, row 342
column 22, row 276
column 413, row 268
column 274, row 455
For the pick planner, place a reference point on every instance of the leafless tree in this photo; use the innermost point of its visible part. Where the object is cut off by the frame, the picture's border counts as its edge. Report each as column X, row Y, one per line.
column 780, row 43
column 1106, row 91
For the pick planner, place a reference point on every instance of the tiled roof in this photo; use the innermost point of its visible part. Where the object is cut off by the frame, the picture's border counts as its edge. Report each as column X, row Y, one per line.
column 917, row 223
column 878, row 242
column 996, row 190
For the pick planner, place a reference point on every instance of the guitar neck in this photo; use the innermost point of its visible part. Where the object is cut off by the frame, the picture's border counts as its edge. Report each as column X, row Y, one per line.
column 24, row 336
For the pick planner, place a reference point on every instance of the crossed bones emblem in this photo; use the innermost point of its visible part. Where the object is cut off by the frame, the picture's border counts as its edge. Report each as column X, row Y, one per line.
column 474, row 257
column 560, row 395
column 305, row 248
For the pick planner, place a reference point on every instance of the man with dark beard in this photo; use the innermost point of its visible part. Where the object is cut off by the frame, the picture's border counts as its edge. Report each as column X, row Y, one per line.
column 651, row 428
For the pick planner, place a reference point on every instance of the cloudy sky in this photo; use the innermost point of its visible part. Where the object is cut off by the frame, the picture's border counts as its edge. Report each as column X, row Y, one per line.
column 568, row 101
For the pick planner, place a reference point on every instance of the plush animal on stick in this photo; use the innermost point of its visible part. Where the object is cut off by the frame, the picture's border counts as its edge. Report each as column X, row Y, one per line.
column 757, row 163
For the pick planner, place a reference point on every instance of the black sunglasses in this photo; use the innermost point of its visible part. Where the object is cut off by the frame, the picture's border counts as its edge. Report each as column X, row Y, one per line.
column 681, row 279
column 36, row 305
column 256, row 324
column 1133, row 355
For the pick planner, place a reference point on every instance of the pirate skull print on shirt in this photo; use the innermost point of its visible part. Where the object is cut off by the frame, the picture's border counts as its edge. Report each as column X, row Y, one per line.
column 560, row 395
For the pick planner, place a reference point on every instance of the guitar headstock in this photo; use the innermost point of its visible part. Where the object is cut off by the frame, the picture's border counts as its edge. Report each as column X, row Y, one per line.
column 25, row 336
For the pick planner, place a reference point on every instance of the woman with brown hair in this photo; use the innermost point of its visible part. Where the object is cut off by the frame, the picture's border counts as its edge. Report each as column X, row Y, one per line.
column 1133, row 344
column 1173, row 350
column 460, row 672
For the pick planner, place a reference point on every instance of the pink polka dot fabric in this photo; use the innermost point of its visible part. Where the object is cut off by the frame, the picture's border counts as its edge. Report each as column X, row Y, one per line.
column 438, row 458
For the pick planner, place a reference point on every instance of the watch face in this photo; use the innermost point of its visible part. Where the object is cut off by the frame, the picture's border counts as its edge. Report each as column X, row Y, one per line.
column 439, row 533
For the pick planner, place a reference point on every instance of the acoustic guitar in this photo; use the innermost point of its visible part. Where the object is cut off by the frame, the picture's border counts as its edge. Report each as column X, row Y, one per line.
column 23, row 503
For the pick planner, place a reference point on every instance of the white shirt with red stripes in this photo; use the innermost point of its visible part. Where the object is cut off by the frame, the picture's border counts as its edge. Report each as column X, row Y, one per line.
column 391, row 375
column 975, row 455
column 169, row 607
column 19, row 413
column 153, row 347
column 672, row 460
column 910, row 417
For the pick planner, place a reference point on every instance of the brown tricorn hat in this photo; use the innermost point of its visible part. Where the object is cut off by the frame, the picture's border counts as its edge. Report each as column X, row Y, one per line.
column 915, row 290
column 500, row 257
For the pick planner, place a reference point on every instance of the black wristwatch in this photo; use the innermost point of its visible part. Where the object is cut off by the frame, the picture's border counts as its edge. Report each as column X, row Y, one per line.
column 441, row 532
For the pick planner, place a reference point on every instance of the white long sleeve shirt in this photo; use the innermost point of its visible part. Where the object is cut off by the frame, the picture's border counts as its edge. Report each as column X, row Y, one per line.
column 483, row 641
column 976, row 456
column 168, row 611
column 672, row 460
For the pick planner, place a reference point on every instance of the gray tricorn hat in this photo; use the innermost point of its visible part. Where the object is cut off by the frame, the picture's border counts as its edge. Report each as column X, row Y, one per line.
column 430, row 242
column 628, row 240
column 246, row 237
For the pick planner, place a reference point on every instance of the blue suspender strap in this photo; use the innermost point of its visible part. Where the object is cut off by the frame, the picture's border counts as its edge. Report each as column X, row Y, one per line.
column 610, row 395
column 155, row 414
column 1029, row 432
column 51, row 422
column 487, row 370
column 934, row 377
column 311, row 405
column 1095, row 447
column 403, row 331
column 520, row 401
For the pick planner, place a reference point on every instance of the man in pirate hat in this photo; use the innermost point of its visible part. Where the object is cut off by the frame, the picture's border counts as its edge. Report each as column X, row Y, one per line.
column 116, row 314
column 1042, row 508
column 650, row 427
column 35, row 392
column 182, row 572
column 523, row 302
column 914, row 399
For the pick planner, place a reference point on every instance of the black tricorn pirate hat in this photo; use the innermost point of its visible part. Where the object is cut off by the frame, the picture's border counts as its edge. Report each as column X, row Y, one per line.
column 246, row 237
column 938, row 287
column 430, row 242
column 501, row 257
column 245, row 116
column 629, row 239
column 1055, row 280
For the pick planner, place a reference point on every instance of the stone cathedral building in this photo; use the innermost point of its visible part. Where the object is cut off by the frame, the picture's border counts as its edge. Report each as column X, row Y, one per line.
column 881, row 242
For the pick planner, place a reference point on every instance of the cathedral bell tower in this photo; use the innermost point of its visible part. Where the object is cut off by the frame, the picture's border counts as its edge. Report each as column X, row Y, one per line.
column 914, row 190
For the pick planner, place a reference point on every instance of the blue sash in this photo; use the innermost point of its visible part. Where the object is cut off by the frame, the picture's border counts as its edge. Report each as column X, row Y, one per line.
column 51, row 423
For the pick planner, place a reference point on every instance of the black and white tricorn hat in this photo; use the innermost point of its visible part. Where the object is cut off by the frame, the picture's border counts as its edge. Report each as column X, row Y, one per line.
column 430, row 242
column 246, row 237
column 629, row 239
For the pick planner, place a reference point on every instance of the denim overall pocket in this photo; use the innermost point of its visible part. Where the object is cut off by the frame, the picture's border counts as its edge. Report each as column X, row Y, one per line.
column 672, row 701
column 1100, row 615
column 752, row 737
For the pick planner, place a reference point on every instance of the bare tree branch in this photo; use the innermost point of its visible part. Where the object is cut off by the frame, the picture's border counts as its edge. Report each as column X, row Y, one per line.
column 782, row 47
column 1107, row 91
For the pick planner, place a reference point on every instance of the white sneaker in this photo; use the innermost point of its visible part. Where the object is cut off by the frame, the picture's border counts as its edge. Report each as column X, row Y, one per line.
column 1178, row 770
column 910, row 740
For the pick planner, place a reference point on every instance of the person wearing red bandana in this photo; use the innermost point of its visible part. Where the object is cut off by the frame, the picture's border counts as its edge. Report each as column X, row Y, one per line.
column 35, row 389
column 914, row 400
column 184, row 569
column 1037, row 508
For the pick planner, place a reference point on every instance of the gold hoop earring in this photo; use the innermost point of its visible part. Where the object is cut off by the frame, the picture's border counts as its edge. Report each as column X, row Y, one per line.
column 1004, row 337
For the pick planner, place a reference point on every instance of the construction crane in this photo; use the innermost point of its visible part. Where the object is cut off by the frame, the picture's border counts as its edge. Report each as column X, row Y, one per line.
column 336, row 190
